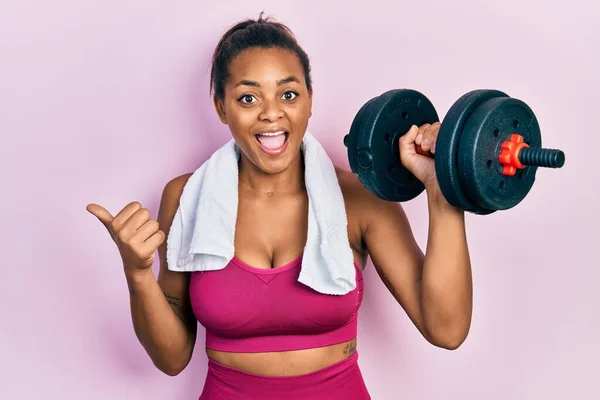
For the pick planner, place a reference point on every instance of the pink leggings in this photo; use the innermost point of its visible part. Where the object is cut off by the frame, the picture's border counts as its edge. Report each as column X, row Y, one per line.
column 341, row 381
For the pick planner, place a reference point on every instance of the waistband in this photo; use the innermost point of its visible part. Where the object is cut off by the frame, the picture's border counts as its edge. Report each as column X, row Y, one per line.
column 342, row 380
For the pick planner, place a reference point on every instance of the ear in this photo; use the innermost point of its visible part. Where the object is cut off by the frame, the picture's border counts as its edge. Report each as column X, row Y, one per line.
column 220, row 107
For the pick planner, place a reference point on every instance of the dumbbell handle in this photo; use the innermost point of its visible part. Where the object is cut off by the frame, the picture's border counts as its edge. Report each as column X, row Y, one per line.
column 517, row 154
column 422, row 152
column 548, row 158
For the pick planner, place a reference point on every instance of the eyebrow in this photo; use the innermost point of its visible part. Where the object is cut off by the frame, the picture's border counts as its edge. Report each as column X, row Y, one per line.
column 280, row 82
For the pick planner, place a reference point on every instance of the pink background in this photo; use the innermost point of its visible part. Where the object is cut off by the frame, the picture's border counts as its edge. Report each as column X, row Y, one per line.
column 104, row 101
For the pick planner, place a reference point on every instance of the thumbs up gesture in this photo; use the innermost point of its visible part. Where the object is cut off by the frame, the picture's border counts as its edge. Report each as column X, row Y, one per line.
column 135, row 233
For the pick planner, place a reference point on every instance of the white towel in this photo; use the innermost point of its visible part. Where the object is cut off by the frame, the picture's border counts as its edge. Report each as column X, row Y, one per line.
column 201, row 237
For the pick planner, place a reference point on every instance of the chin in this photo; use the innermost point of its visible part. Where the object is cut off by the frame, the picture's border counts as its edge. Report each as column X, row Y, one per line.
column 275, row 165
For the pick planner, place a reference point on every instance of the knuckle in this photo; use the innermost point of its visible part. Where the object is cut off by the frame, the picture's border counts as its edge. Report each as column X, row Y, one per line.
column 122, row 236
column 154, row 224
column 144, row 213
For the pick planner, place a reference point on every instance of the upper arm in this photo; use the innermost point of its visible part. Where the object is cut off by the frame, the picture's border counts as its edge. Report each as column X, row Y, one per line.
column 389, row 241
column 175, row 285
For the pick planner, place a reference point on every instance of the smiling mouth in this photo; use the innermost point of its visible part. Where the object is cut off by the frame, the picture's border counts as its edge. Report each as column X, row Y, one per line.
column 272, row 142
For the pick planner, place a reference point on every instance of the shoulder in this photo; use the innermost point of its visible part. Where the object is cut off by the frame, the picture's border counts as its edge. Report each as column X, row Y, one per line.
column 362, row 205
column 175, row 186
column 354, row 192
column 170, row 196
column 352, row 188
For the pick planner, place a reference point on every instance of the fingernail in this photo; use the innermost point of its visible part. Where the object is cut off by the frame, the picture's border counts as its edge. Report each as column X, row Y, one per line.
column 433, row 147
column 419, row 138
column 426, row 144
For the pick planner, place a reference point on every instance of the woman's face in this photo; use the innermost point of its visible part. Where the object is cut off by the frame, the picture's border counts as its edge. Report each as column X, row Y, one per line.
column 267, row 106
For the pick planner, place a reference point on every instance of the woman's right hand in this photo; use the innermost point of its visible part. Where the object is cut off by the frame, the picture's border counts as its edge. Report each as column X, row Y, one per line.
column 135, row 233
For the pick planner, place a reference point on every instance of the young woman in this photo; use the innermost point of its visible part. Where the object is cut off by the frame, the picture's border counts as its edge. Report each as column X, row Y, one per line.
column 263, row 93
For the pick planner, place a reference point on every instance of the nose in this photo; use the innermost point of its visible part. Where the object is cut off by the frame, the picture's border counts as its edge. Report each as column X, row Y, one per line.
column 271, row 111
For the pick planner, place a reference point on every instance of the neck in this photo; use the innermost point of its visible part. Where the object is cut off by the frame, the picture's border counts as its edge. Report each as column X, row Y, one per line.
column 288, row 181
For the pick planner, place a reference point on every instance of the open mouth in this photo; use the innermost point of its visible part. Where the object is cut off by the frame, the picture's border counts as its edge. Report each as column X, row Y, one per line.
column 272, row 142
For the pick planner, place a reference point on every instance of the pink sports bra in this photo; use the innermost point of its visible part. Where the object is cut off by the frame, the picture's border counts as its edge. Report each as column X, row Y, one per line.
column 249, row 309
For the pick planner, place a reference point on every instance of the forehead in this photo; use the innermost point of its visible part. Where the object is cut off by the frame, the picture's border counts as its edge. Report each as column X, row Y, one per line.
column 264, row 65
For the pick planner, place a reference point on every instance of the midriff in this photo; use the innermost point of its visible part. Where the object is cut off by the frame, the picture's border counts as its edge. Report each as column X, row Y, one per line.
column 285, row 363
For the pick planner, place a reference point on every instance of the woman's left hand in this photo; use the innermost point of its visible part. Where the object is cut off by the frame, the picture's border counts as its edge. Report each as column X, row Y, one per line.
column 421, row 166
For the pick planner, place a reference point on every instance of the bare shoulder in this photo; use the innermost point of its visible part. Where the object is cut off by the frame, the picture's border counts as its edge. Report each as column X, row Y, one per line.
column 351, row 186
column 362, row 205
column 174, row 284
column 354, row 190
column 169, row 203
column 172, row 193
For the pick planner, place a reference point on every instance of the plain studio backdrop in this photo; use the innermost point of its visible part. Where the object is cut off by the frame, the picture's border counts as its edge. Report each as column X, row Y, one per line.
column 105, row 101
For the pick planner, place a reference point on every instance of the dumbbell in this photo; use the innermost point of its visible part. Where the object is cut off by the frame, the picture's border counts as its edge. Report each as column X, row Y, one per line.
column 487, row 154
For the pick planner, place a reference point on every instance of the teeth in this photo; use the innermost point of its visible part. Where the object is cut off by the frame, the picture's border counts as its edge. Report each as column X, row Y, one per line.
column 271, row 133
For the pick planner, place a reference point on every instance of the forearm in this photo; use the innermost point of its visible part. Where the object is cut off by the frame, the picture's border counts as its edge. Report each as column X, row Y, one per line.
column 162, row 333
column 446, row 282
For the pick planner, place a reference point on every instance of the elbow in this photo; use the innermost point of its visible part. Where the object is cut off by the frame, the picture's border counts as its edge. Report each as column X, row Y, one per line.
column 171, row 368
column 449, row 342
column 172, row 360
column 172, row 363
column 448, row 338
column 171, row 371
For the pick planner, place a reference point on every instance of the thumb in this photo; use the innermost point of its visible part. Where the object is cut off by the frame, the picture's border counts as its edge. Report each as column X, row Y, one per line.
column 101, row 213
column 407, row 141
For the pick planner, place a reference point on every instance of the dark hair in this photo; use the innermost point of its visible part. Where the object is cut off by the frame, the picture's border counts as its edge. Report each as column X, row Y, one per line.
column 262, row 33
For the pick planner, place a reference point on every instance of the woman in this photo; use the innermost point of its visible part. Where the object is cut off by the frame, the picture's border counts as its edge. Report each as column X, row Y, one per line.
column 263, row 92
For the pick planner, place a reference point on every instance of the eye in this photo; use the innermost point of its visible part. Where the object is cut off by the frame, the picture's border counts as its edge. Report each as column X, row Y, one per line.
column 290, row 95
column 246, row 99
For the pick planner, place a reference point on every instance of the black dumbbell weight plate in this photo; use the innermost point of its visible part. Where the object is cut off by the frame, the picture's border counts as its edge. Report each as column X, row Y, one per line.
column 447, row 144
column 385, row 120
column 351, row 138
column 480, row 146
column 361, row 161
